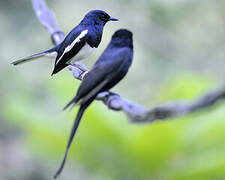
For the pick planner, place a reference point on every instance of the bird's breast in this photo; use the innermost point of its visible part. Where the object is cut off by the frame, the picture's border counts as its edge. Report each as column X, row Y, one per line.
column 85, row 52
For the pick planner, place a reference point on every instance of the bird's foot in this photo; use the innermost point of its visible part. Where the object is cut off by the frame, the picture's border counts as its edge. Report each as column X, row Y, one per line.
column 80, row 66
column 79, row 70
column 83, row 75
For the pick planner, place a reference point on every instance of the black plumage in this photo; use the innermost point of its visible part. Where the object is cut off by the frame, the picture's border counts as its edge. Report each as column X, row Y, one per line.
column 78, row 44
column 110, row 68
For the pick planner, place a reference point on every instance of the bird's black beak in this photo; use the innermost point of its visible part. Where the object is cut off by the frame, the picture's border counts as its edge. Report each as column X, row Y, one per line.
column 113, row 19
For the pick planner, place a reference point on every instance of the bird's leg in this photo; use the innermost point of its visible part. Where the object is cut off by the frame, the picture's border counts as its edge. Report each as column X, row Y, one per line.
column 83, row 75
column 79, row 70
column 80, row 66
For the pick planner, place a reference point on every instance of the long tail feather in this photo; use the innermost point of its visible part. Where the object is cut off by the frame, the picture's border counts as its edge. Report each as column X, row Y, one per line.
column 73, row 101
column 50, row 52
column 72, row 134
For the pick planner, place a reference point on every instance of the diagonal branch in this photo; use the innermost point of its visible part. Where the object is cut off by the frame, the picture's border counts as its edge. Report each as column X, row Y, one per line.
column 136, row 113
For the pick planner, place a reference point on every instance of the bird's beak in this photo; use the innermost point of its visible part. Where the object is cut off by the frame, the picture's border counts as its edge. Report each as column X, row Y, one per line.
column 113, row 19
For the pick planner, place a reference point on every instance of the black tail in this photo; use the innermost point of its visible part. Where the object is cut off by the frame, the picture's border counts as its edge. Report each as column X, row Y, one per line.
column 73, row 101
column 72, row 134
column 49, row 52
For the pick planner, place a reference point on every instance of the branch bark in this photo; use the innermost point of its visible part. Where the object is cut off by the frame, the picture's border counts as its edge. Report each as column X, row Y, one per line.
column 136, row 113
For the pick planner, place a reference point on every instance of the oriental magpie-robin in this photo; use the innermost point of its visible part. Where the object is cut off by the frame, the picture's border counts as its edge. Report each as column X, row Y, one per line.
column 110, row 68
column 78, row 44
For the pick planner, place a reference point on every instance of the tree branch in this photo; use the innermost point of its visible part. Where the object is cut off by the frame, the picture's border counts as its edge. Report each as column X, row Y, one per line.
column 136, row 113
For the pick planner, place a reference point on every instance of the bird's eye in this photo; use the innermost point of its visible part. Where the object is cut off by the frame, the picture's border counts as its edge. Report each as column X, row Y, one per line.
column 103, row 17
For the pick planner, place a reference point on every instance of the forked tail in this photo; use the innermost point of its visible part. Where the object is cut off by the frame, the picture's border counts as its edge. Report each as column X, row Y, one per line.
column 72, row 134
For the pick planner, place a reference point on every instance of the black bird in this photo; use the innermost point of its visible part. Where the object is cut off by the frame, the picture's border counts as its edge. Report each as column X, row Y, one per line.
column 110, row 68
column 79, row 43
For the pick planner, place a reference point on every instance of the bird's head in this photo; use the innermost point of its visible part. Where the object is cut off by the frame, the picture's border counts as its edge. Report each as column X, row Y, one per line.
column 97, row 17
column 123, row 38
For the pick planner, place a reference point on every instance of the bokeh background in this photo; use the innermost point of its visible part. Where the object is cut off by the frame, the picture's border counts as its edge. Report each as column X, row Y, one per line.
column 179, row 54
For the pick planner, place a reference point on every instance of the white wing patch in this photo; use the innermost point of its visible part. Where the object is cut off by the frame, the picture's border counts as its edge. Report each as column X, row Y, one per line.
column 69, row 47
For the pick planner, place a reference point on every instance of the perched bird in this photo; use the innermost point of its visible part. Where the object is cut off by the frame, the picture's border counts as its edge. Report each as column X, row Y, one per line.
column 78, row 44
column 109, row 69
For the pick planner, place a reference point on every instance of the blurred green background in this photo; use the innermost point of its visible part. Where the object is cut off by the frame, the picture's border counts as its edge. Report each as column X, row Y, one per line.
column 179, row 54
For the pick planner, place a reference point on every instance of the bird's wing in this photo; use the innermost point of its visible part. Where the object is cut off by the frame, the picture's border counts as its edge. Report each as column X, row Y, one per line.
column 94, row 91
column 91, row 81
column 88, row 96
column 101, row 74
column 105, row 69
column 72, row 44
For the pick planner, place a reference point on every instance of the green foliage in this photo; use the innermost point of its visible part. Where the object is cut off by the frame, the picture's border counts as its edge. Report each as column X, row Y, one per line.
column 184, row 87
column 106, row 145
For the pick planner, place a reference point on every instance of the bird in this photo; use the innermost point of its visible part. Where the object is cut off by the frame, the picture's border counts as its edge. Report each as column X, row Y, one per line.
column 109, row 69
column 78, row 44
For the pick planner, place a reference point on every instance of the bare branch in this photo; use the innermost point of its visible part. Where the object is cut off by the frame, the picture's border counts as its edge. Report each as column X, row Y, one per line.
column 136, row 113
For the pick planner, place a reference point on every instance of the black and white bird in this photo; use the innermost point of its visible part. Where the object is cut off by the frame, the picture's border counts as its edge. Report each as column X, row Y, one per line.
column 110, row 68
column 78, row 44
